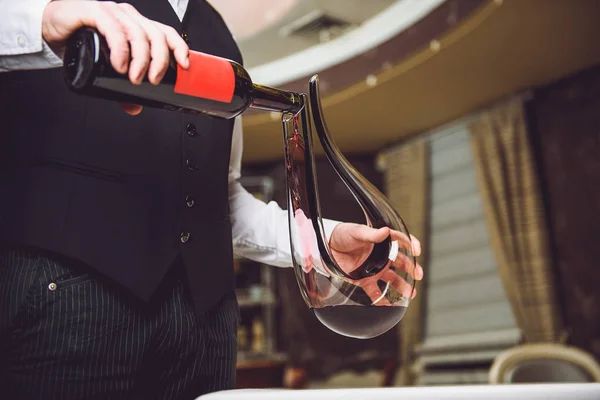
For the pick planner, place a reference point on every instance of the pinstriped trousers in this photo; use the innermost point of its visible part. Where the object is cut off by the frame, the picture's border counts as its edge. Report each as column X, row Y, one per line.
column 65, row 334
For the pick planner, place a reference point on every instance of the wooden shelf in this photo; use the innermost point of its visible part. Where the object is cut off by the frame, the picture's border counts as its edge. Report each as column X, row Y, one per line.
column 245, row 299
column 256, row 294
column 256, row 360
column 260, row 371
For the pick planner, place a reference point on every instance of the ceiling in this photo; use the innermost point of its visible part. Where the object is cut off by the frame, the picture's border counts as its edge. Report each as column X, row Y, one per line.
column 267, row 30
column 246, row 18
column 501, row 48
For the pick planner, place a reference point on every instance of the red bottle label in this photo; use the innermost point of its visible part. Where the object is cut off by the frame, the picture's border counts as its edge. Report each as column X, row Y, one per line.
column 208, row 77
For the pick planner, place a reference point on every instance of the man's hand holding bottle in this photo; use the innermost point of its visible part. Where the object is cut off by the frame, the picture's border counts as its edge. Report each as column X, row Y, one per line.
column 139, row 46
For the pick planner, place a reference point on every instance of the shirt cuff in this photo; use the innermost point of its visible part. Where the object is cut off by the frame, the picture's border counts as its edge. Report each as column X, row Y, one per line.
column 21, row 42
column 328, row 226
column 21, row 31
column 42, row 60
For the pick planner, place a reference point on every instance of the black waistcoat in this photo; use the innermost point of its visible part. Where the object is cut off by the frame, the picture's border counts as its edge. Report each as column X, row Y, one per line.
column 123, row 195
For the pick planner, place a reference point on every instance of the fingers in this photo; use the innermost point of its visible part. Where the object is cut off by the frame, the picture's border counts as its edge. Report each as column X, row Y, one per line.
column 407, row 264
column 419, row 273
column 113, row 31
column 403, row 287
column 416, row 246
column 155, row 42
column 412, row 244
column 377, row 297
column 177, row 45
column 138, row 42
column 158, row 44
column 365, row 233
column 139, row 47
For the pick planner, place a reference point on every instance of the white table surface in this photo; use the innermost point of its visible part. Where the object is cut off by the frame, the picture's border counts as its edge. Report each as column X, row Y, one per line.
column 556, row 391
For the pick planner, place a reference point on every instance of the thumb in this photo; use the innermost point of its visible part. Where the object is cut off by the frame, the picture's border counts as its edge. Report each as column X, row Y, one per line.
column 367, row 234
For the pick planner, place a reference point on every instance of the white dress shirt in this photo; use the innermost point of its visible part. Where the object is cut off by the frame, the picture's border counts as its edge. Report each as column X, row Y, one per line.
column 260, row 231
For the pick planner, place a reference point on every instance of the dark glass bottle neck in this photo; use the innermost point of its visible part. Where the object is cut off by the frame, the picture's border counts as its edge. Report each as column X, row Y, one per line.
column 270, row 99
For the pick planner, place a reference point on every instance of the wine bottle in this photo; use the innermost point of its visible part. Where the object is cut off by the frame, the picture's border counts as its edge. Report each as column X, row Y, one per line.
column 211, row 85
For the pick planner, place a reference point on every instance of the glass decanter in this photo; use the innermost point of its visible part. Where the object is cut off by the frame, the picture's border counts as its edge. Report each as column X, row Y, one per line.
column 361, row 301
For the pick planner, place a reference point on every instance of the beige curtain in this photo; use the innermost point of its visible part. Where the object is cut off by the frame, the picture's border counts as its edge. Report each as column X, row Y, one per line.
column 407, row 187
column 514, row 211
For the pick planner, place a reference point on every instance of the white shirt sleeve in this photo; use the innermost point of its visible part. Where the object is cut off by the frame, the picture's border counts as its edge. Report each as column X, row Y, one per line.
column 21, row 43
column 260, row 230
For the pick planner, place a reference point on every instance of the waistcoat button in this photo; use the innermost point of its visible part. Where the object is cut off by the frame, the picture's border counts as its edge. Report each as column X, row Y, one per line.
column 189, row 201
column 191, row 130
column 190, row 165
column 184, row 36
column 185, row 237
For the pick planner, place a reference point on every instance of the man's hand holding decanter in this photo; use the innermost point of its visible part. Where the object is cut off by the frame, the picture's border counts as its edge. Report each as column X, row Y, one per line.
column 351, row 244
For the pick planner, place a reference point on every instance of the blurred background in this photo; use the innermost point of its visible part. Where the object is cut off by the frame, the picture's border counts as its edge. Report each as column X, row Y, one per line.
column 480, row 120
